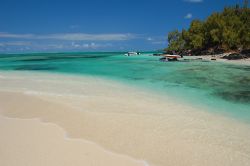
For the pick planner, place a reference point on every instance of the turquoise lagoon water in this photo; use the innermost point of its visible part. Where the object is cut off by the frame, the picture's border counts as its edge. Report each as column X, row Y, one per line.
column 220, row 87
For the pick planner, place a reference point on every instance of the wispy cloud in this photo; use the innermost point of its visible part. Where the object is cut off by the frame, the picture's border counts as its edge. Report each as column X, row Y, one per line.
column 149, row 39
column 53, row 46
column 72, row 36
column 188, row 16
column 156, row 40
column 89, row 37
column 91, row 45
column 14, row 43
column 194, row 1
column 160, row 42
column 17, row 36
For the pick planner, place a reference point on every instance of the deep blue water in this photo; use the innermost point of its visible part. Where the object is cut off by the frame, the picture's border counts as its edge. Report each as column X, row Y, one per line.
column 221, row 87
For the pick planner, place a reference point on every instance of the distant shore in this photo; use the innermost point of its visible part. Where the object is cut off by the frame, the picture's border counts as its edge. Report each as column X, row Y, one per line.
column 216, row 57
column 219, row 58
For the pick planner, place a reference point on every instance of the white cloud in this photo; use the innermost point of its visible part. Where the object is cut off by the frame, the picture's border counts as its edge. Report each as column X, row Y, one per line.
column 94, row 45
column 156, row 40
column 73, row 44
column 52, row 46
column 73, row 36
column 9, row 35
column 194, row 1
column 91, row 45
column 15, row 43
column 149, row 39
column 89, row 37
column 188, row 16
column 55, row 46
column 159, row 42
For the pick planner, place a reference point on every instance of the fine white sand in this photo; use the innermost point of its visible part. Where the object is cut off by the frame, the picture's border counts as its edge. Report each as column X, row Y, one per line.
column 121, row 119
column 31, row 143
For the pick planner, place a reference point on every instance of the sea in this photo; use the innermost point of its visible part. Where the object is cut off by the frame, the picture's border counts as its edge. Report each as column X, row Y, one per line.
column 219, row 87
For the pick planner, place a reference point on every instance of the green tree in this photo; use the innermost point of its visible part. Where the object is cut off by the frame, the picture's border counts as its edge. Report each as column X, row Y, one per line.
column 175, row 41
column 227, row 30
column 214, row 27
column 196, row 33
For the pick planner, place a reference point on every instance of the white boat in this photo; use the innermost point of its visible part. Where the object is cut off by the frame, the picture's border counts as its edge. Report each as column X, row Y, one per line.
column 171, row 56
column 132, row 53
column 167, row 57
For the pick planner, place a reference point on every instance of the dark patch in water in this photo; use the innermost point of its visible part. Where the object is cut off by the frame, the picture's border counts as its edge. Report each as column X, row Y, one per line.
column 51, row 58
column 235, row 96
column 7, row 55
column 35, row 67
column 244, row 81
column 239, row 67
column 137, row 78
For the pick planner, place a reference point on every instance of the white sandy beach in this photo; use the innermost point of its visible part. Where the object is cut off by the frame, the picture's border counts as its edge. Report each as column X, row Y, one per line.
column 30, row 142
column 219, row 58
column 109, row 124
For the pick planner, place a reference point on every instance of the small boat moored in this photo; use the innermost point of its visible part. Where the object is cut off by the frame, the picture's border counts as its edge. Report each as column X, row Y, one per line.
column 132, row 53
column 167, row 57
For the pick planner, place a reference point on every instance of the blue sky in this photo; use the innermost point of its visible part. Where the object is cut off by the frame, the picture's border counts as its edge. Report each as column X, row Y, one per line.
column 96, row 25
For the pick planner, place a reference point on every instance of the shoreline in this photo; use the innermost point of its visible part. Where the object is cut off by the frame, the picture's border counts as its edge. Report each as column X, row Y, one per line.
column 125, row 120
column 218, row 58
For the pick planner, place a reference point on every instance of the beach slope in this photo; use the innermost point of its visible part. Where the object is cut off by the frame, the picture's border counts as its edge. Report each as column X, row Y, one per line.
column 53, row 119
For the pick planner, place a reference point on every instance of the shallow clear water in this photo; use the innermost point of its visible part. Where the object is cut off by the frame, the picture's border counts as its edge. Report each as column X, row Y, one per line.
column 220, row 87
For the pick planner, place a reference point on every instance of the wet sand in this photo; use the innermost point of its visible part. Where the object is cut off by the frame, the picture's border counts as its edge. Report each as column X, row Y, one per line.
column 121, row 119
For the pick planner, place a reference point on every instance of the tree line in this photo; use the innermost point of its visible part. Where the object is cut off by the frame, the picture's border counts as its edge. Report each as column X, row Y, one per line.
column 228, row 30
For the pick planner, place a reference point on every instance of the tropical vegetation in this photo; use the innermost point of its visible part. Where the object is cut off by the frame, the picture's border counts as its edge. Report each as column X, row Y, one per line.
column 220, row 32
